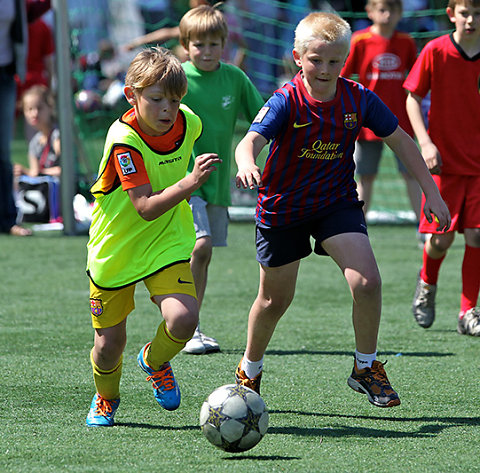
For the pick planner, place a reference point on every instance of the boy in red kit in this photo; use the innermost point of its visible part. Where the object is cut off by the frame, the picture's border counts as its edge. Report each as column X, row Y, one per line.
column 381, row 56
column 449, row 67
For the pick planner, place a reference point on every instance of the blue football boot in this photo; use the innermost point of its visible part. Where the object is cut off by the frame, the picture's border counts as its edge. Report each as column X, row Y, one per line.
column 102, row 411
column 165, row 387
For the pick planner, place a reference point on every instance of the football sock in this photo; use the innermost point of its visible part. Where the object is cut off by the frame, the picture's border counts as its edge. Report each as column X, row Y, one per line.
column 364, row 360
column 430, row 268
column 252, row 368
column 107, row 382
column 470, row 278
column 164, row 347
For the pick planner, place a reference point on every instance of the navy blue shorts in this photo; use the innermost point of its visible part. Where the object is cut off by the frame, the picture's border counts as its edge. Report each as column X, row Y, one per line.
column 280, row 246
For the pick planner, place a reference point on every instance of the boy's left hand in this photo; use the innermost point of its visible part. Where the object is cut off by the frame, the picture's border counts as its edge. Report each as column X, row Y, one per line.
column 440, row 212
column 204, row 166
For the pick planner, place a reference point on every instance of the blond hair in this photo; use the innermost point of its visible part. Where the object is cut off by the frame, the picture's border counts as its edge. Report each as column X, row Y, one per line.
column 328, row 27
column 157, row 65
column 204, row 20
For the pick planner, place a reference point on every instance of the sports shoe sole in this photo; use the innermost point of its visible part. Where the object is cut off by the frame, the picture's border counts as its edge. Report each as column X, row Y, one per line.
column 356, row 386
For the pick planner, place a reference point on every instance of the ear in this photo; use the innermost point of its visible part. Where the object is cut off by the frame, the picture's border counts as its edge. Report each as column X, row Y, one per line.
column 185, row 48
column 297, row 58
column 130, row 95
column 451, row 14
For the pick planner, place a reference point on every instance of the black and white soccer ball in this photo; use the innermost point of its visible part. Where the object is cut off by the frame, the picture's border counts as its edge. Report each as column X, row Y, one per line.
column 234, row 418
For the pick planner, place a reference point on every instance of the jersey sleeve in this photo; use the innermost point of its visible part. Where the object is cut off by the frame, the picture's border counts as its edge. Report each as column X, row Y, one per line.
column 129, row 167
column 272, row 117
column 418, row 80
column 379, row 118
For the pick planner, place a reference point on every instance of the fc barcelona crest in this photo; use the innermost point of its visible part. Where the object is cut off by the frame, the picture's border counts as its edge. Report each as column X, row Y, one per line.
column 96, row 307
column 350, row 120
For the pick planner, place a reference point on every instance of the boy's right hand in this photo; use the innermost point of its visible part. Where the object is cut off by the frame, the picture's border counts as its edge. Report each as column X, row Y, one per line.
column 204, row 166
column 248, row 177
column 432, row 158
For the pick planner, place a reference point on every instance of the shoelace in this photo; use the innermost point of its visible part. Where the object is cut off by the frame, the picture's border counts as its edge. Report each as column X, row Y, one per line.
column 103, row 407
column 426, row 295
column 163, row 379
column 379, row 374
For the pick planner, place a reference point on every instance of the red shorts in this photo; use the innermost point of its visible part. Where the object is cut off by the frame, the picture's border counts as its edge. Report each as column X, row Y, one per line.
column 462, row 196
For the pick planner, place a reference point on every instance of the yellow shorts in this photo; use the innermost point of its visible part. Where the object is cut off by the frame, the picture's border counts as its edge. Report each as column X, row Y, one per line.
column 110, row 307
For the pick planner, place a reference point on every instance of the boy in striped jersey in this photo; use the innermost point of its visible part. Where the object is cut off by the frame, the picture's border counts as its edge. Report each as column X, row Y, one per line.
column 307, row 189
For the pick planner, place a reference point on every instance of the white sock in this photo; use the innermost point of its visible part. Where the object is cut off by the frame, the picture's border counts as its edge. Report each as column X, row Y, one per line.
column 364, row 360
column 252, row 368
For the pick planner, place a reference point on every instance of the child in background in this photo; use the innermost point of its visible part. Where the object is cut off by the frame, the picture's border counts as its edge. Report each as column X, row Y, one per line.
column 449, row 67
column 142, row 230
column 381, row 57
column 218, row 93
column 44, row 148
column 307, row 189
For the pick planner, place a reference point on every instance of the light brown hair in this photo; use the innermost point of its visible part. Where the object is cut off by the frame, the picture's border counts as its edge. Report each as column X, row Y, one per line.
column 203, row 21
column 157, row 65
column 466, row 3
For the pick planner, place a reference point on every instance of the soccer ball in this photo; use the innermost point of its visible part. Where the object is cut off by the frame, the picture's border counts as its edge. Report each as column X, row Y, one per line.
column 234, row 418
column 88, row 101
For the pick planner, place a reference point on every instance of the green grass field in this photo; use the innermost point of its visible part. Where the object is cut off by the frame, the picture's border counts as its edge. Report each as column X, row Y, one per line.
column 317, row 423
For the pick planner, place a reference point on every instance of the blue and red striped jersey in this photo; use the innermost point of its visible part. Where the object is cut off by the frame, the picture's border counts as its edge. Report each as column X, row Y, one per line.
column 310, row 161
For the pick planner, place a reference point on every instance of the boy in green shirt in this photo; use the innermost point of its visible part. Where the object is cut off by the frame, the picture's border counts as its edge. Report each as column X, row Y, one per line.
column 218, row 93
column 142, row 230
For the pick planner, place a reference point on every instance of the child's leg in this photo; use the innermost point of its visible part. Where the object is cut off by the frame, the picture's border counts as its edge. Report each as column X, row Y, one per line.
column 106, row 358
column 201, row 256
column 180, row 312
column 470, row 270
column 275, row 293
column 367, row 158
column 434, row 252
column 353, row 254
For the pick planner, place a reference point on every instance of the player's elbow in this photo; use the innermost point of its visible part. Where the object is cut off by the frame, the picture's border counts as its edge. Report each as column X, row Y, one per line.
column 146, row 213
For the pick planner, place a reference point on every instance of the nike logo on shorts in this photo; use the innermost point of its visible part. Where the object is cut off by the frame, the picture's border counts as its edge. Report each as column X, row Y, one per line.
column 181, row 281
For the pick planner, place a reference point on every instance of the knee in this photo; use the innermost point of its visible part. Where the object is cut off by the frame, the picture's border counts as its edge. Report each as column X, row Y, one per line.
column 441, row 242
column 366, row 286
column 108, row 349
column 472, row 237
column 202, row 251
column 184, row 324
column 276, row 304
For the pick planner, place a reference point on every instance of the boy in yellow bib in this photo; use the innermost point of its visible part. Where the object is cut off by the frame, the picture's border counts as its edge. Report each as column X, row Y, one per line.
column 142, row 230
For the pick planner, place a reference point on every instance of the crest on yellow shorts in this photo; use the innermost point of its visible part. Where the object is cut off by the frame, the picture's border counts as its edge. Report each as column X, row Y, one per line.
column 96, row 307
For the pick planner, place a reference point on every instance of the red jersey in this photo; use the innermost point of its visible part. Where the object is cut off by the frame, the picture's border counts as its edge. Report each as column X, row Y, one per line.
column 453, row 79
column 40, row 45
column 382, row 65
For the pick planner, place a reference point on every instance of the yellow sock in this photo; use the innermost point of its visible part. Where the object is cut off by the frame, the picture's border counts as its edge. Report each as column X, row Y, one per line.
column 107, row 382
column 164, row 347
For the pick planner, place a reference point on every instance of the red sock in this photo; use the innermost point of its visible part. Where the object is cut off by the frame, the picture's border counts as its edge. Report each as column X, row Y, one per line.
column 430, row 268
column 470, row 278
